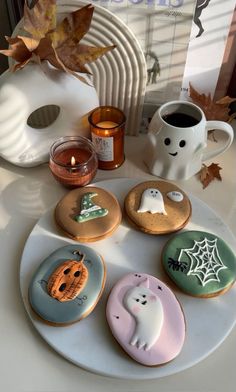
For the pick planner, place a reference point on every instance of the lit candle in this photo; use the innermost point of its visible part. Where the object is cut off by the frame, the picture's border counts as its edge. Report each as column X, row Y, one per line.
column 107, row 125
column 73, row 161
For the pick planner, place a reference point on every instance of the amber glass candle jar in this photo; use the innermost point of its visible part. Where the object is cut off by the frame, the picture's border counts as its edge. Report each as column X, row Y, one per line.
column 73, row 161
column 107, row 124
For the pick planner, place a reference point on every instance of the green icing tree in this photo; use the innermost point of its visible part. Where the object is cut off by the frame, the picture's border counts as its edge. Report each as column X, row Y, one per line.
column 89, row 210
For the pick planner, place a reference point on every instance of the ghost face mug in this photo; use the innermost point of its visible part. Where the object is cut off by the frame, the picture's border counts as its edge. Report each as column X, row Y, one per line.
column 177, row 140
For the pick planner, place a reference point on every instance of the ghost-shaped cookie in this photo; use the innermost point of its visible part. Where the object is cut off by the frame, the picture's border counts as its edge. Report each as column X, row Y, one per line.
column 152, row 201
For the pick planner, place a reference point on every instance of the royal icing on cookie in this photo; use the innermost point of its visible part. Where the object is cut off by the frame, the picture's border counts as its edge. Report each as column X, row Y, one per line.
column 146, row 319
column 175, row 196
column 152, row 201
column 88, row 214
column 89, row 210
column 82, row 291
column 200, row 263
column 68, row 280
column 157, row 207
column 145, row 306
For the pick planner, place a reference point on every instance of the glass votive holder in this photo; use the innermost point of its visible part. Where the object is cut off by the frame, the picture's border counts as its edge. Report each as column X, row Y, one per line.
column 73, row 161
column 107, row 125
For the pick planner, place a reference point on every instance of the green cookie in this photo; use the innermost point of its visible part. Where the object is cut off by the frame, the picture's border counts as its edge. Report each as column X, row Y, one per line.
column 199, row 263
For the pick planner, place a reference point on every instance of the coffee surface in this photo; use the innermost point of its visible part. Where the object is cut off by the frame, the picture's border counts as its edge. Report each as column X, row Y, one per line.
column 180, row 120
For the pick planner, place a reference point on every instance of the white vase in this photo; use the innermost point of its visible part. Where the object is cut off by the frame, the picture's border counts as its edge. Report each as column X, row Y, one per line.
column 31, row 88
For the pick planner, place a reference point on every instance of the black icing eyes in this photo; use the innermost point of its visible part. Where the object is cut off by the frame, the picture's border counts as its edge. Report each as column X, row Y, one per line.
column 182, row 143
column 167, row 141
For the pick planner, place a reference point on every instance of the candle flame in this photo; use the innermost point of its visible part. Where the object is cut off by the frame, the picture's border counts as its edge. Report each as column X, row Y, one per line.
column 72, row 161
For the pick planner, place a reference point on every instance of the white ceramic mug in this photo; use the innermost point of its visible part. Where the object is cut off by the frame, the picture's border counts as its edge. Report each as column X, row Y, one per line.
column 177, row 140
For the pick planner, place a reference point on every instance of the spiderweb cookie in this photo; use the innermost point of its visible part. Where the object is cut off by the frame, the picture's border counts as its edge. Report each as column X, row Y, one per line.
column 199, row 263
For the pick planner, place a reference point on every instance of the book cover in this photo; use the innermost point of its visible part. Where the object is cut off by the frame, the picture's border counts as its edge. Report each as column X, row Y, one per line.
column 207, row 62
column 163, row 29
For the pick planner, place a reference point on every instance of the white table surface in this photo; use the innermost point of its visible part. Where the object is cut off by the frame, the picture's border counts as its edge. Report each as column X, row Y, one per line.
column 27, row 363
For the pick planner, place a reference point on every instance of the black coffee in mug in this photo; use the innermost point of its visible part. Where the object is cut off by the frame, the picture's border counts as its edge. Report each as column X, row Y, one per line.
column 180, row 120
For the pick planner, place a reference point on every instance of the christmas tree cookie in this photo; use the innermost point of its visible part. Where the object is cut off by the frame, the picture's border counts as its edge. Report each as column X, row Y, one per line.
column 88, row 214
column 200, row 263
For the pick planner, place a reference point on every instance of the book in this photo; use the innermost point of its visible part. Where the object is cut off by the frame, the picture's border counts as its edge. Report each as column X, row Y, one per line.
column 163, row 29
column 211, row 53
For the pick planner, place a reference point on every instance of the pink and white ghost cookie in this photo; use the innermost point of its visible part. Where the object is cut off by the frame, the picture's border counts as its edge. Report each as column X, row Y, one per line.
column 146, row 319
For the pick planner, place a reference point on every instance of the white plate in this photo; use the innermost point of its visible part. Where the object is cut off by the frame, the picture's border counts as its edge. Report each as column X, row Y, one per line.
column 89, row 343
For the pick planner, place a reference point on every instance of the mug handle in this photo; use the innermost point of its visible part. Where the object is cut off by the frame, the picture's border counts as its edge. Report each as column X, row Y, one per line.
column 222, row 126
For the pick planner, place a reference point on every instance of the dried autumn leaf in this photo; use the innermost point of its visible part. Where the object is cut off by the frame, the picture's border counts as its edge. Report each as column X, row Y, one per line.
column 73, row 28
column 208, row 173
column 59, row 45
column 212, row 110
column 57, row 63
column 18, row 51
column 226, row 100
column 30, row 43
column 75, row 58
column 40, row 19
column 67, row 36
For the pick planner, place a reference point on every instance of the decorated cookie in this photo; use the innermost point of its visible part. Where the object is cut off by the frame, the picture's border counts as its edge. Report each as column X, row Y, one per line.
column 200, row 263
column 88, row 214
column 67, row 285
column 157, row 207
column 146, row 319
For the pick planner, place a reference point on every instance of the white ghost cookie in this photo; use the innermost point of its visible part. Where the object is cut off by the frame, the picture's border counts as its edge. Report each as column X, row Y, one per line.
column 157, row 207
column 146, row 308
column 152, row 201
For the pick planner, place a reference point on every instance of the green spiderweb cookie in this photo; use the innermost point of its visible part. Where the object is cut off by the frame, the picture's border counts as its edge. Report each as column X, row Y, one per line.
column 89, row 210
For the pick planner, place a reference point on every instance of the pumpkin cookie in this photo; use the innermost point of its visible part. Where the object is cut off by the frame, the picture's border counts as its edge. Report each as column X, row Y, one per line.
column 88, row 214
column 146, row 319
column 67, row 285
column 158, row 207
column 199, row 263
